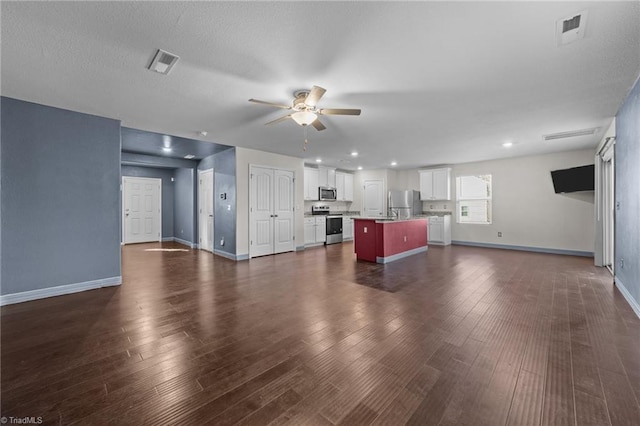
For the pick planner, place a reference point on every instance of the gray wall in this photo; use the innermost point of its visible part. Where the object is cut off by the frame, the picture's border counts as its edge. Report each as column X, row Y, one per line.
column 167, row 192
column 224, row 181
column 627, row 181
column 60, row 197
column 184, row 225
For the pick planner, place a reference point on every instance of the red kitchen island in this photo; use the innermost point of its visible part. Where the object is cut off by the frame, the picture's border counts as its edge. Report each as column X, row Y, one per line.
column 383, row 241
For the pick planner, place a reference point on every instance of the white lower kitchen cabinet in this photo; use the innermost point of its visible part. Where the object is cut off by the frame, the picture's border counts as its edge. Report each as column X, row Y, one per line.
column 439, row 231
column 347, row 228
column 309, row 230
column 321, row 229
column 315, row 230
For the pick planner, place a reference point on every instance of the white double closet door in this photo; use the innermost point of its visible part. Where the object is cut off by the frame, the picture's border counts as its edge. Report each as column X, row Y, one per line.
column 271, row 211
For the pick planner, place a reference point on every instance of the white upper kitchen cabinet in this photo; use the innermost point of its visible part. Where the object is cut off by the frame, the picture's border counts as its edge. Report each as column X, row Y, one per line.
column 340, row 186
column 311, row 184
column 435, row 184
column 344, row 186
column 327, row 177
column 348, row 187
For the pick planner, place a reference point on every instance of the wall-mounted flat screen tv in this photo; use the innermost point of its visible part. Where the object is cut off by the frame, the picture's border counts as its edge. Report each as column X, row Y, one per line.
column 573, row 180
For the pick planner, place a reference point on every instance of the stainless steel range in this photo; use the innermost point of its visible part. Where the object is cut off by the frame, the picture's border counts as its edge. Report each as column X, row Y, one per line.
column 334, row 224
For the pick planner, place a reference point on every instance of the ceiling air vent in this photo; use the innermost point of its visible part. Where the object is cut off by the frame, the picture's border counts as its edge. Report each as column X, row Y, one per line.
column 163, row 62
column 571, row 28
column 571, row 134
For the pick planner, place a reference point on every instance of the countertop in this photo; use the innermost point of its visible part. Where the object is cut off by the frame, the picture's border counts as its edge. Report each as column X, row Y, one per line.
column 336, row 213
column 356, row 215
column 384, row 219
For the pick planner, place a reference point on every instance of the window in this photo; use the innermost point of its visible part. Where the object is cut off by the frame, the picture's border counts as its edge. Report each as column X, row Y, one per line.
column 473, row 196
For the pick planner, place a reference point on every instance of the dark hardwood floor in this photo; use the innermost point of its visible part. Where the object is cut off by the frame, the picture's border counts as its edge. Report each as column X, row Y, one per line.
column 454, row 336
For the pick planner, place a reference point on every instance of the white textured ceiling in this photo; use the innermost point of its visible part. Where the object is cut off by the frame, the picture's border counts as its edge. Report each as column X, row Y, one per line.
column 437, row 82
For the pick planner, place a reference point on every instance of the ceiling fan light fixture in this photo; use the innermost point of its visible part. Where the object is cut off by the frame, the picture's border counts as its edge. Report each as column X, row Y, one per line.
column 304, row 118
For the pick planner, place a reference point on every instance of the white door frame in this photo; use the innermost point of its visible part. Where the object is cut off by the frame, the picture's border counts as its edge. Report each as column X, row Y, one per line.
column 123, row 198
column 201, row 224
column 293, row 201
column 605, row 205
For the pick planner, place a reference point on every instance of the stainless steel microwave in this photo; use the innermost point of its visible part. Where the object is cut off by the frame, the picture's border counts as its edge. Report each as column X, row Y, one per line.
column 326, row 193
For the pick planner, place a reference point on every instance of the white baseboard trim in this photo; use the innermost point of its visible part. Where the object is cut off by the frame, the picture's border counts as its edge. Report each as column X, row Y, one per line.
column 25, row 296
column 632, row 302
column 314, row 245
column 299, row 248
column 167, row 239
column 524, row 248
column 225, row 254
column 185, row 242
column 402, row 255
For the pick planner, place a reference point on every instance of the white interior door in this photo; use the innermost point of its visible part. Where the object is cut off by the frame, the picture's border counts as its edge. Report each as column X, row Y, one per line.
column 205, row 209
column 261, row 211
column 271, row 216
column 283, row 211
column 373, row 198
column 142, row 209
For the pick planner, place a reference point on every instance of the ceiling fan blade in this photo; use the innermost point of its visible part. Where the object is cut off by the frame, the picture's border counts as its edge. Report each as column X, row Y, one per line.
column 338, row 111
column 270, row 104
column 314, row 96
column 277, row 120
column 318, row 125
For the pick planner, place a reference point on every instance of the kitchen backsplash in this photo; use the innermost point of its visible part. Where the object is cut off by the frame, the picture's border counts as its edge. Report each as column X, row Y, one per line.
column 335, row 206
column 438, row 206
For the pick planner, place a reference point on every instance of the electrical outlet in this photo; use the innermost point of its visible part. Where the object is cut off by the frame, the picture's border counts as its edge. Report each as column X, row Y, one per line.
column 621, row 263
column 365, row 230
column 222, row 242
column 405, row 238
column 500, row 234
column 617, row 205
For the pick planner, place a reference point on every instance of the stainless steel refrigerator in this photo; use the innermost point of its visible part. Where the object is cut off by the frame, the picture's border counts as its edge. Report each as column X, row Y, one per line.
column 404, row 204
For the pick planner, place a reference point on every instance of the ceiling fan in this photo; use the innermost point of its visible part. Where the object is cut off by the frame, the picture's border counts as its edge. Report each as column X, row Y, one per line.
column 305, row 110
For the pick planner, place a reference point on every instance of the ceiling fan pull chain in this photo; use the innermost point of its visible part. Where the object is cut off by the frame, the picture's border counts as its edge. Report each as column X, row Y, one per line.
column 306, row 141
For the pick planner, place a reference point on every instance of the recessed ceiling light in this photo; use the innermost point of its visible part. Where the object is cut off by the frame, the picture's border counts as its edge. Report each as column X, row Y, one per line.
column 359, row 167
column 167, row 149
column 393, row 163
column 507, row 144
column 203, row 133
column 354, row 153
column 318, row 160
column 189, row 156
